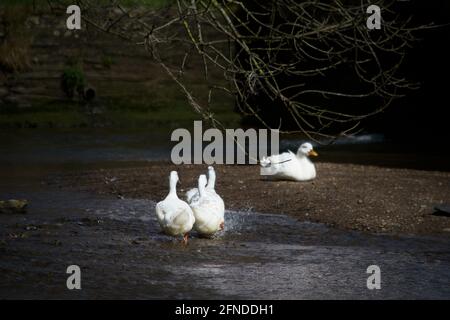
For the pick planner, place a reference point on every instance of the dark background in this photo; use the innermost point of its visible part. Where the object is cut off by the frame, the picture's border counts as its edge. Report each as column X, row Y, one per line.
column 422, row 116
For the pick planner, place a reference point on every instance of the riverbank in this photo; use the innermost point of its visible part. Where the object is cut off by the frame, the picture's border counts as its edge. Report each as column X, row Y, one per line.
column 346, row 196
column 123, row 255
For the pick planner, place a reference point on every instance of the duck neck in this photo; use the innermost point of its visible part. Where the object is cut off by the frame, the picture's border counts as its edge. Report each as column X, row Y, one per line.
column 173, row 187
column 301, row 156
column 211, row 181
column 201, row 189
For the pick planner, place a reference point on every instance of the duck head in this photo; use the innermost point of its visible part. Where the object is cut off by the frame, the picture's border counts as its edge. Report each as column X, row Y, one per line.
column 306, row 150
column 174, row 176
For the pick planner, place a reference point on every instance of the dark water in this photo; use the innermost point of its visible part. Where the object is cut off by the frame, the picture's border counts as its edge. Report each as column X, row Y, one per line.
column 87, row 147
column 122, row 254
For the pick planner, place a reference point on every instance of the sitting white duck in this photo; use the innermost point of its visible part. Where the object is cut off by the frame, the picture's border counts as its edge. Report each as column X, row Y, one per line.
column 174, row 215
column 208, row 210
column 290, row 166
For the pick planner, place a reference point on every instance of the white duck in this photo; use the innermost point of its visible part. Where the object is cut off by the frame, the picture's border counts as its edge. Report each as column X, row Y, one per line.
column 208, row 210
column 174, row 215
column 211, row 191
column 290, row 166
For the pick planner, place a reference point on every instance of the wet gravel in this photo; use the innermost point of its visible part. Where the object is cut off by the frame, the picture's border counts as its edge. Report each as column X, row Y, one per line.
column 346, row 196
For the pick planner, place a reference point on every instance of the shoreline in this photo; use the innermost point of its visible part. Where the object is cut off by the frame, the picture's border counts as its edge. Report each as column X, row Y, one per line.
column 345, row 196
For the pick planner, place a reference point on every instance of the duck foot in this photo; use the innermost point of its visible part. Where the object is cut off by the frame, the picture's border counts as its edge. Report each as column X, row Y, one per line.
column 185, row 239
column 222, row 226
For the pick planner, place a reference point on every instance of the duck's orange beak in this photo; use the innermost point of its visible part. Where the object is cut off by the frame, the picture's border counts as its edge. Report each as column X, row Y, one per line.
column 312, row 153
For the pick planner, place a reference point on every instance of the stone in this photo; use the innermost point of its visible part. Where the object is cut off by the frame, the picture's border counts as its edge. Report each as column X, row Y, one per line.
column 97, row 110
column 34, row 20
column 118, row 11
column 13, row 206
column 443, row 208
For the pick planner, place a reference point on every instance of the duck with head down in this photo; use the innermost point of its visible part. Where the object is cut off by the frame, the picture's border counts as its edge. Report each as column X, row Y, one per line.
column 290, row 166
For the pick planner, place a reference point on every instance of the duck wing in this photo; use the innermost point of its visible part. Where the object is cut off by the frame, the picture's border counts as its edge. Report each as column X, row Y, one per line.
column 192, row 195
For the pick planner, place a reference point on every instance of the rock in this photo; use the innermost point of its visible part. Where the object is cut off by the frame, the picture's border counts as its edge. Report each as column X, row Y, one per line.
column 13, row 206
column 34, row 20
column 117, row 11
column 442, row 210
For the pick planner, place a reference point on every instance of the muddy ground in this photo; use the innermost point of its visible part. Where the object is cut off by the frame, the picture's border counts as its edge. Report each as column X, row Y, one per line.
column 346, row 196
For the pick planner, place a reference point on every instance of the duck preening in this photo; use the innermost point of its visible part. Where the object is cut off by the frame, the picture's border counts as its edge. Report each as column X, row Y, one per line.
column 175, row 216
column 290, row 166
column 208, row 206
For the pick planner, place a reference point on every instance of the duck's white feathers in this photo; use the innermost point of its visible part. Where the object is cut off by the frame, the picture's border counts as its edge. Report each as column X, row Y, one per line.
column 208, row 207
column 209, row 212
column 174, row 216
column 192, row 195
column 289, row 166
